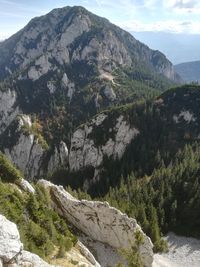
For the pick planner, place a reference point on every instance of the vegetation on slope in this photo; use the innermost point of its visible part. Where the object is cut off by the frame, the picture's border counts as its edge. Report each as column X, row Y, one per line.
column 157, row 180
column 41, row 229
column 168, row 200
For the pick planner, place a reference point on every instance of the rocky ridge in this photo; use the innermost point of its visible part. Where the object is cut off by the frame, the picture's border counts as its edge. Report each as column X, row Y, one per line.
column 100, row 222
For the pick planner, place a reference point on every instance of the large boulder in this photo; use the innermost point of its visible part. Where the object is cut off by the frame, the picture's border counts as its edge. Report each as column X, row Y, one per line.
column 10, row 244
column 100, row 222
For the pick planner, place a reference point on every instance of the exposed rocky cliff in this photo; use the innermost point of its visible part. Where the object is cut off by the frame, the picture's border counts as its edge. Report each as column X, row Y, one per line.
column 26, row 148
column 100, row 222
column 9, row 108
column 102, row 137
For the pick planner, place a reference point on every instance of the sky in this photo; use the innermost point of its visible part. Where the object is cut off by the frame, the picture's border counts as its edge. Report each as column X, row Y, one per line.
column 177, row 16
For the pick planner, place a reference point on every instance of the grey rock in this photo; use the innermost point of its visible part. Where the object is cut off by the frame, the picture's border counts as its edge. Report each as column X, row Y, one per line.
column 100, row 222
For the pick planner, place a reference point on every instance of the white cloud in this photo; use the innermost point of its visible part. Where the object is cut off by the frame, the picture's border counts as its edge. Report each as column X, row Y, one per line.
column 173, row 26
column 182, row 6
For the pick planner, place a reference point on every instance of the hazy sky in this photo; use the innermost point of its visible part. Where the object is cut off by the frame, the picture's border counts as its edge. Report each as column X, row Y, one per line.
column 133, row 15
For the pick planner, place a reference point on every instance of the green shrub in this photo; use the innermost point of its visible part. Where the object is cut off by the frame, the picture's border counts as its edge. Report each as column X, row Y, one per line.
column 8, row 172
column 41, row 229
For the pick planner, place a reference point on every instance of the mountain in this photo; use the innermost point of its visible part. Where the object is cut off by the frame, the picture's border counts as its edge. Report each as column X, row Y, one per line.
column 58, row 72
column 189, row 71
column 89, row 108
column 67, row 35
column 178, row 47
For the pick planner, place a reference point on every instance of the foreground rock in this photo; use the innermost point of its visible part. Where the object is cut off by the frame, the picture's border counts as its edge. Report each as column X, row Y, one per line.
column 100, row 222
column 11, row 248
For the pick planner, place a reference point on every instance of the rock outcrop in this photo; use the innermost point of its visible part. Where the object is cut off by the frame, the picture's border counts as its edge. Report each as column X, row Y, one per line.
column 100, row 222
column 58, row 158
column 25, row 185
column 86, row 150
column 11, row 248
column 28, row 152
column 9, row 108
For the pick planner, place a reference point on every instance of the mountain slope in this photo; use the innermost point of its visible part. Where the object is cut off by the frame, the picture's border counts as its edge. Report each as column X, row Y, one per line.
column 61, row 37
column 58, row 72
column 132, row 138
column 189, row 71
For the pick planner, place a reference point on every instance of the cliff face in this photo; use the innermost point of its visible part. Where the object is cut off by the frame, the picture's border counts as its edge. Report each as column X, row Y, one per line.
column 91, row 142
column 101, row 223
column 28, row 151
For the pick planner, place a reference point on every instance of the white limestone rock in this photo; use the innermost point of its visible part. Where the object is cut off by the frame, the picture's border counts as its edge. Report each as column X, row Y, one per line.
column 8, row 108
column 63, row 153
column 10, row 244
column 106, row 255
column 59, row 157
column 100, row 222
column 186, row 115
column 84, row 152
column 68, row 85
column 29, row 259
column 42, row 66
column 99, row 119
column 26, row 186
column 11, row 248
column 87, row 254
column 27, row 153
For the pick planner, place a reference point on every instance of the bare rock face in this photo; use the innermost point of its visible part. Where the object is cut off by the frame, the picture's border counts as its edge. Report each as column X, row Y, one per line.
column 26, row 186
column 59, row 157
column 28, row 153
column 11, row 248
column 8, row 108
column 67, row 84
column 10, row 244
column 84, row 152
column 100, row 222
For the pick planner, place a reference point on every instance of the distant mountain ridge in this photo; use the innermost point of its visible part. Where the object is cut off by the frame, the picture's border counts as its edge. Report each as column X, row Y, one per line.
column 178, row 47
column 189, row 71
